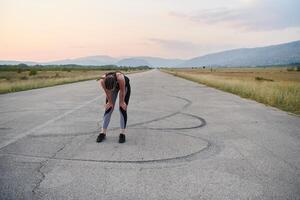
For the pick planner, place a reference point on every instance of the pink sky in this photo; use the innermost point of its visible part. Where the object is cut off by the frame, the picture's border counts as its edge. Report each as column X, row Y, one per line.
column 48, row 30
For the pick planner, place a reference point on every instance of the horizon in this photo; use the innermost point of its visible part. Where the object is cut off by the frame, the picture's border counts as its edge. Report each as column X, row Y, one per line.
column 58, row 30
column 126, row 57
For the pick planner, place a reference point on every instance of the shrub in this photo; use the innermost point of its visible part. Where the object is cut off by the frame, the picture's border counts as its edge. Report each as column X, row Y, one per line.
column 262, row 79
column 32, row 72
column 22, row 65
column 66, row 69
column 24, row 78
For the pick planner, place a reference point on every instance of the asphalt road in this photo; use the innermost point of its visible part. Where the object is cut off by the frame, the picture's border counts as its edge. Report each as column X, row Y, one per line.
column 184, row 141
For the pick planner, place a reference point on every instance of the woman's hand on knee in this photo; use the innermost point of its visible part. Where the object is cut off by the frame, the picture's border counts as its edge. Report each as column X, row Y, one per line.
column 123, row 105
column 109, row 105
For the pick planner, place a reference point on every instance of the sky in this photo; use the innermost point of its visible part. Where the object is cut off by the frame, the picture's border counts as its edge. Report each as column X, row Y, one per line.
column 47, row 30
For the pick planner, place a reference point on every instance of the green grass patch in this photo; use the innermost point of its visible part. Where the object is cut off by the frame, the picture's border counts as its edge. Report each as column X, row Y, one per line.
column 284, row 95
column 14, row 81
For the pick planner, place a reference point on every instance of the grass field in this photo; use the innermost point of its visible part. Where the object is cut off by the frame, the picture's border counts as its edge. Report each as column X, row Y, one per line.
column 277, row 87
column 19, row 80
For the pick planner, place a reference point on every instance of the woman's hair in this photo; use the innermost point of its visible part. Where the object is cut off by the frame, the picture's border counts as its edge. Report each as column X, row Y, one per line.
column 110, row 81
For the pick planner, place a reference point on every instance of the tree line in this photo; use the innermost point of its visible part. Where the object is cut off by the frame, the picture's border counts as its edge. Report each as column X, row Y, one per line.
column 23, row 67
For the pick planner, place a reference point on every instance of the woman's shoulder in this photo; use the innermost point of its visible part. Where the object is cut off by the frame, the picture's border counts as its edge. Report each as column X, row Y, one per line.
column 120, row 74
column 103, row 76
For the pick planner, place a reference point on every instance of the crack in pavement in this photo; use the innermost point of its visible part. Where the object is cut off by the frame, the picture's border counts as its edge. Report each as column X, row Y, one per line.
column 43, row 176
column 44, row 163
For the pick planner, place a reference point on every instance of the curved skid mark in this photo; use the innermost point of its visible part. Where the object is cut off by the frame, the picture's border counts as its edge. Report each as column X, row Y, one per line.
column 166, row 116
column 131, row 125
column 202, row 123
column 209, row 150
column 33, row 110
column 188, row 157
column 63, row 134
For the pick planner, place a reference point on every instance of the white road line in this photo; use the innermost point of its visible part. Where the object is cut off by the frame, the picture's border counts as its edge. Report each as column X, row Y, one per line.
column 19, row 136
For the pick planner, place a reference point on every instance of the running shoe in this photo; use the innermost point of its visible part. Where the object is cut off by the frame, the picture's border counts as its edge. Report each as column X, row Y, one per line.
column 121, row 138
column 101, row 137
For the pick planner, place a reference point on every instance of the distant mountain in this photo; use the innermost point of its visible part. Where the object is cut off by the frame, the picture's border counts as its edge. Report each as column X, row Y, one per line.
column 14, row 62
column 130, row 61
column 150, row 61
column 89, row 60
column 288, row 53
column 162, row 62
column 133, row 62
column 281, row 54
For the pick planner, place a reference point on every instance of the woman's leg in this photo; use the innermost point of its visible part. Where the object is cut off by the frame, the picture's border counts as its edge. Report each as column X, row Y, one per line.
column 123, row 113
column 108, row 112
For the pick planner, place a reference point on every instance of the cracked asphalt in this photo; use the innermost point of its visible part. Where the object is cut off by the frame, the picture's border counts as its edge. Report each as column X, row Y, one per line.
column 184, row 141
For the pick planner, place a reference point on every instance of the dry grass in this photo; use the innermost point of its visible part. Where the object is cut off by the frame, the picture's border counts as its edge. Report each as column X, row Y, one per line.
column 12, row 81
column 275, row 87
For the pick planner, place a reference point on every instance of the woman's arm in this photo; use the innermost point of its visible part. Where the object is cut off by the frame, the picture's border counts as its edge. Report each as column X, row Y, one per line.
column 121, row 81
column 108, row 93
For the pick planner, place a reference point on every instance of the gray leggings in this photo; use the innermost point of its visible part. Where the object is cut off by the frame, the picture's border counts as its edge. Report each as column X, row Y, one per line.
column 123, row 113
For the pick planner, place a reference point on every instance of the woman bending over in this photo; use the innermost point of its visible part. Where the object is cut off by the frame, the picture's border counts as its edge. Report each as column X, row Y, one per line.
column 112, row 84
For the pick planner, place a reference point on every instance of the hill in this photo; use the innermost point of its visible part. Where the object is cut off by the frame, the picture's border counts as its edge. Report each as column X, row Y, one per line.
column 282, row 54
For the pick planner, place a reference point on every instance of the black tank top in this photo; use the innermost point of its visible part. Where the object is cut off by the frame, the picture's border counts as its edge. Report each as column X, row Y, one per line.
column 115, row 75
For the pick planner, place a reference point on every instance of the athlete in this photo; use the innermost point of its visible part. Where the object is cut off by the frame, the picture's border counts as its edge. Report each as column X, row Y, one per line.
column 112, row 84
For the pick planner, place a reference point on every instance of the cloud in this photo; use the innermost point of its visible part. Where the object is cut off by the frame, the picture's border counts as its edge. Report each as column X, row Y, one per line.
column 259, row 16
column 174, row 44
column 186, row 48
column 79, row 47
